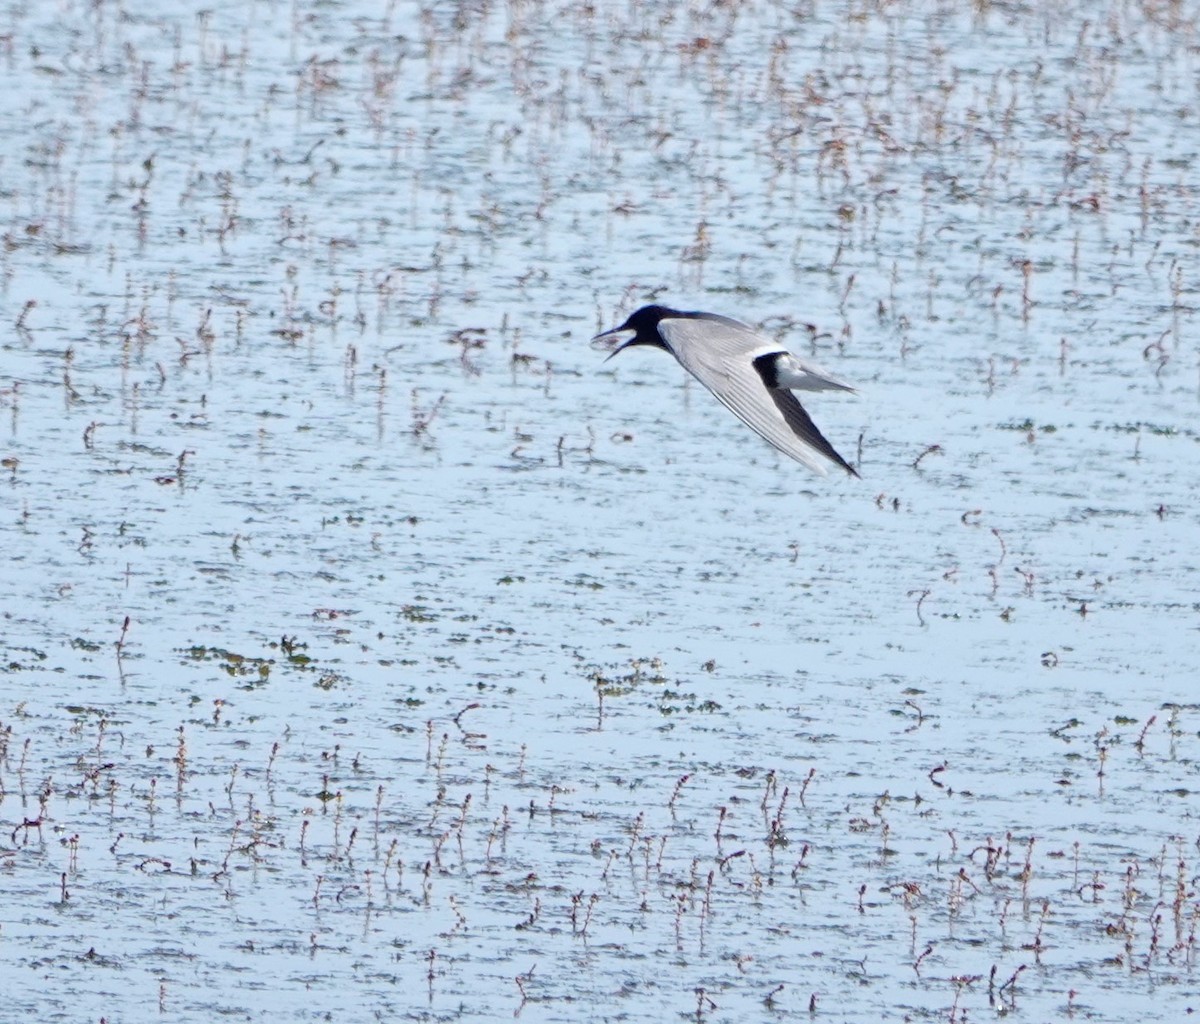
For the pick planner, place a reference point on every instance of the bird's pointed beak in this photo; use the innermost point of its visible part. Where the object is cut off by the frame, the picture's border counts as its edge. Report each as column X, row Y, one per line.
column 605, row 340
column 623, row 345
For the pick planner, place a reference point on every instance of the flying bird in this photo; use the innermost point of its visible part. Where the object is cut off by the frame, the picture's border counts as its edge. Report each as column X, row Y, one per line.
column 750, row 373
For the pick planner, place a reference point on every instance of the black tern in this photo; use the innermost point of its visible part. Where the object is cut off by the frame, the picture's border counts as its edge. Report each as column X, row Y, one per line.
column 749, row 372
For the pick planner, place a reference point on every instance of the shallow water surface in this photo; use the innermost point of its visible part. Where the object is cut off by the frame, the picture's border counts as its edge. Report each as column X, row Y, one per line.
column 376, row 651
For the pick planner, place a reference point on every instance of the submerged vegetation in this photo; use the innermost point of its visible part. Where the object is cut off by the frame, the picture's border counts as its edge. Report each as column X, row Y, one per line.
column 376, row 651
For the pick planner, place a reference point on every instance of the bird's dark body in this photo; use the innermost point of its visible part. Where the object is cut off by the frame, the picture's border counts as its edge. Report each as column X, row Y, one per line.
column 750, row 373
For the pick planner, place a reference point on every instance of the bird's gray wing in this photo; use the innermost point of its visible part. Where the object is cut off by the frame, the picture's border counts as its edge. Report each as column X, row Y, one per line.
column 720, row 353
column 803, row 428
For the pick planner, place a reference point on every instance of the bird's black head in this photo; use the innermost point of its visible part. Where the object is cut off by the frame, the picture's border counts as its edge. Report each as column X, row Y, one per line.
column 644, row 325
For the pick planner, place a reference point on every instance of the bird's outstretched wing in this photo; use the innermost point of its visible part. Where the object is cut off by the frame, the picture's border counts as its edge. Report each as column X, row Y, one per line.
column 721, row 353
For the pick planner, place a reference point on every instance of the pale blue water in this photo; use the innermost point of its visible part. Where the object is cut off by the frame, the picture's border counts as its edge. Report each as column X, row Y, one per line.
column 307, row 395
